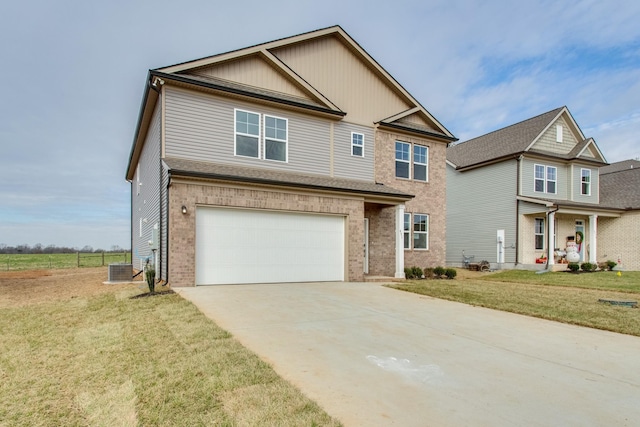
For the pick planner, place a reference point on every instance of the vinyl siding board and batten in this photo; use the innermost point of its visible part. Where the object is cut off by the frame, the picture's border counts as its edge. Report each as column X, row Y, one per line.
column 480, row 202
column 201, row 127
column 328, row 65
column 146, row 204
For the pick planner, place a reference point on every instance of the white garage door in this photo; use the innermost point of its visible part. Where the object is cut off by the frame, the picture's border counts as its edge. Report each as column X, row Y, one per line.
column 252, row 246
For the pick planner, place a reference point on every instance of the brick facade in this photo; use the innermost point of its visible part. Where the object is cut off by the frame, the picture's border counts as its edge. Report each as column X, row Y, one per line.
column 430, row 196
column 182, row 228
column 619, row 238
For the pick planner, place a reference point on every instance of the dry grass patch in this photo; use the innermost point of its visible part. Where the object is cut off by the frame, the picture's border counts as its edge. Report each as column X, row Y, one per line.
column 107, row 359
column 551, row 300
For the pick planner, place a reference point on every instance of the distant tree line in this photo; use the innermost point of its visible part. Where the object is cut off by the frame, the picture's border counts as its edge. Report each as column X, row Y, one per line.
column 38, row 248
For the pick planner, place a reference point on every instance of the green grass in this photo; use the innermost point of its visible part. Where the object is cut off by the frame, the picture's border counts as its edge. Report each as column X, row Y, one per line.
column 111, row 360
column 49, row 261
column 628, row 281
column 559, row 296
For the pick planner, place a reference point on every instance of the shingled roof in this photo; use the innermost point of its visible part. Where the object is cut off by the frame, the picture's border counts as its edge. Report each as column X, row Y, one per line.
column 207, row 170
column 620, row 185
column 502, row 143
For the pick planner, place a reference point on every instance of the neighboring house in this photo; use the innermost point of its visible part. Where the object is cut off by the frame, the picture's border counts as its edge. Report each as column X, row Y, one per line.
column 296, row 160
column 517, row 194
column 620, row 237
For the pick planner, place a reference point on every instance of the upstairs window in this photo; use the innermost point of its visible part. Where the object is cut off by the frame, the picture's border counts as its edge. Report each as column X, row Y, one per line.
column 585, row 182
column 357, row 144
column 420, row 155
column 247, row 134
column 275, row 138
column 545, row 178
column 403, row 155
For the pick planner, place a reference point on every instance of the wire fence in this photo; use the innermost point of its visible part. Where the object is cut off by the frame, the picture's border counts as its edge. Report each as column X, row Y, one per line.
column 72, row 260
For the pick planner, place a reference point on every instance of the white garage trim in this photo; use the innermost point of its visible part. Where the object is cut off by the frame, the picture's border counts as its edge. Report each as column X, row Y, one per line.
column 236, row 246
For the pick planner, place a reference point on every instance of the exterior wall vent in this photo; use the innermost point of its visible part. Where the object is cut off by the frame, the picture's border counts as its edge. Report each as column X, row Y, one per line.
column 120, row 272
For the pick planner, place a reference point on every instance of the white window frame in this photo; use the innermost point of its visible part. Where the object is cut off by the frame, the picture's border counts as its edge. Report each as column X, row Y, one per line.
column 407, row 161
column 583, row 182
column 406, row 235
column 559, row 133
column 248, row 135
column 425, row 164
column 536, row 233
column 355, row 144
column 424, row 232
column 285, row 141
column 545, row 179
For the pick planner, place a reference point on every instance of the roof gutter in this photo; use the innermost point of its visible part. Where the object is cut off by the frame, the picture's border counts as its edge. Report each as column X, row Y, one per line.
column 186, row 80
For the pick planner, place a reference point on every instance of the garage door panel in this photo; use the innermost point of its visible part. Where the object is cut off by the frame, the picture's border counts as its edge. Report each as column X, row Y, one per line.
column 252, row 246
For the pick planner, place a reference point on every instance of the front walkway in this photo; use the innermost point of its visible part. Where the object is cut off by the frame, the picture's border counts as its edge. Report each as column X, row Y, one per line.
column 374, row 356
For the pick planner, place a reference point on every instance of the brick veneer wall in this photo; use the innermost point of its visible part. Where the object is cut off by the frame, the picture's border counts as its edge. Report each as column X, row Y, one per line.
column 430, row 196
column 620, row 237
column 382, row 250
column 182, row 228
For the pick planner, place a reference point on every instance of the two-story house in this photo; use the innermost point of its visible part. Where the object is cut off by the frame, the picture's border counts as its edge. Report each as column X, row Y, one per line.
column 518, row 194
column 295, row 160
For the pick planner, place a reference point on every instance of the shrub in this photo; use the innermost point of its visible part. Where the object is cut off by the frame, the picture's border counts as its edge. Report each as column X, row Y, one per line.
column 408, row 273
column 150, row 275
column 438, row 271
column 417, row 272
column 587, row 266
column 428, row 273
column 611, row 264
column 450, row 273
column 573, row 266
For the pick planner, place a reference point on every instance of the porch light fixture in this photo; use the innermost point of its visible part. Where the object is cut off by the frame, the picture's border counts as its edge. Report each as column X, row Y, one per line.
column 184, row 210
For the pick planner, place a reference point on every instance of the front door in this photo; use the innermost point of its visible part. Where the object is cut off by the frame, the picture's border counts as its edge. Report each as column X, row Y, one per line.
column 580, row 243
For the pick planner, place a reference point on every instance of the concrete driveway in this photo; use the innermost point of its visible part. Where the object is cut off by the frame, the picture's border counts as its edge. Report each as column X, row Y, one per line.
column 373, row 356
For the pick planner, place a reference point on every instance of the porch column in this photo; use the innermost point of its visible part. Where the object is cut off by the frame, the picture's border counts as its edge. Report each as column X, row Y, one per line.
column 593, row 239
column 399, row 242
column 551, row 226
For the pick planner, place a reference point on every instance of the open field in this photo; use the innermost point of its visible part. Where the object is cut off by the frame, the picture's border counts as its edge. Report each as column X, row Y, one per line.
column 563, row 297
column 74, row 352
column 10, row 262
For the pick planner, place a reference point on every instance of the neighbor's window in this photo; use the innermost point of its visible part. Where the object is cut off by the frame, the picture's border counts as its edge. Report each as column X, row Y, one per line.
column 275, row 138
column 420, row 156
column 403, row 153
column 545, row 179
column 420, row 231
column 357, row 144
column 539, row 233
column 586, row 182
column 247, row 134
column 407, row 231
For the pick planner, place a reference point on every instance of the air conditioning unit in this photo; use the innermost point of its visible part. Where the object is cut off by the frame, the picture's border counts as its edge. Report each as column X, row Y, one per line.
column 120, row 272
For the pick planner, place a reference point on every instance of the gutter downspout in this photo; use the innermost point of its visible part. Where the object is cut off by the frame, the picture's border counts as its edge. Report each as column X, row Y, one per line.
column 518, row 171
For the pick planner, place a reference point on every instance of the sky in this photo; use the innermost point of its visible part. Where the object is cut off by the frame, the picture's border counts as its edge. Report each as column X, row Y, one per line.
column 73, row 75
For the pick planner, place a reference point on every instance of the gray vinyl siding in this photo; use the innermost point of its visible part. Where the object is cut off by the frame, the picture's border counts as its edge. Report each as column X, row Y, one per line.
column 200, row 126
column 577, row 184
column 345, row 165
column 527, row 208
column 146, row 205
column 479, row 203
column 528, row 175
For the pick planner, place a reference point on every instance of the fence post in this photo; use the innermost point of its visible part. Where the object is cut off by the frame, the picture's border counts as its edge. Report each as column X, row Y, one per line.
column 103, row 258
column 78, row 259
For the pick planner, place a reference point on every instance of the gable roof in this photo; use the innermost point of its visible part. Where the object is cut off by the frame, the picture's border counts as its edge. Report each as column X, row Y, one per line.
column 295, row 91
column 514, row 140
column 217, row 171
column 620, row 166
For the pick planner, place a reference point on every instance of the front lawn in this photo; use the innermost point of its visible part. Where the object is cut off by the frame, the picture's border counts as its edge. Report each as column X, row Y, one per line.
column 109, row 360
column 563, row 297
